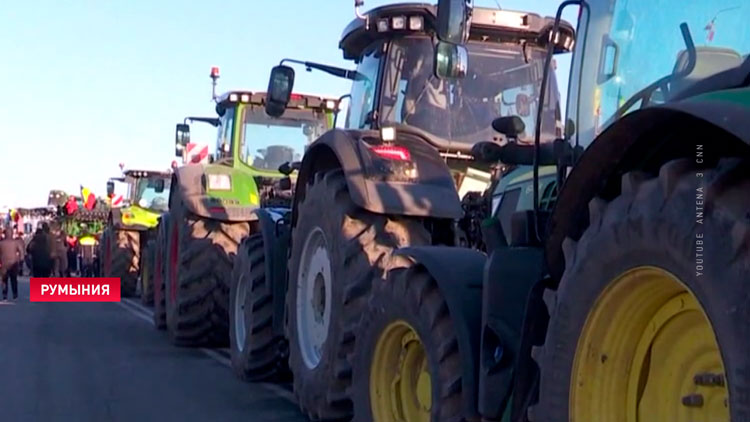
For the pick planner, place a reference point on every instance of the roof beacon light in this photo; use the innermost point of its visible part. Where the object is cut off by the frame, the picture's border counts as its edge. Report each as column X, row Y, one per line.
column 383, row 25
column 398, row 22
column 416, row 23
column 215, row 72
column 245, row 98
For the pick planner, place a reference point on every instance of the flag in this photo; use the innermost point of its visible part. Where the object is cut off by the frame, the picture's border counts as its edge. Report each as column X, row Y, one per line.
column 88, row 198
column 711, row 29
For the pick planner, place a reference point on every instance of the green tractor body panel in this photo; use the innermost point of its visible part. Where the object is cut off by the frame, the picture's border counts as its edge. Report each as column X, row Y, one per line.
column 515, row 192
column 240, row 194
column 138, row 218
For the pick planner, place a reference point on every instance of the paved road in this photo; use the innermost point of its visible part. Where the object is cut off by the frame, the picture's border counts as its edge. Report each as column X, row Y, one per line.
column 101, row 362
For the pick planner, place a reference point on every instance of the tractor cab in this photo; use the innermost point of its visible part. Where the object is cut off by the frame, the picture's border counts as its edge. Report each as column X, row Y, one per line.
column 250, row 139
column 149, row 189
column 400, row 87
column 638, row 58
column 146, row 197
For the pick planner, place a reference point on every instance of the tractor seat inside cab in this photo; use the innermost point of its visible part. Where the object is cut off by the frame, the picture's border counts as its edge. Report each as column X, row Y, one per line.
column 709, row 61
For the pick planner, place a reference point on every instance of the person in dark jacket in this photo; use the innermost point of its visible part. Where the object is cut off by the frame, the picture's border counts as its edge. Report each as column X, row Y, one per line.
column 59, row 253
column 11, row 257
column 40, row 249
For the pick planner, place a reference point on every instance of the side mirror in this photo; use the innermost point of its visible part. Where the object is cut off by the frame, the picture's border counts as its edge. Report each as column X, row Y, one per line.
column 287, row 168
column 160, row 185
column 279, row 90
column 451, row 60
column 510, row 126
column 182, row 134
column 452, row 21
column 110, row 188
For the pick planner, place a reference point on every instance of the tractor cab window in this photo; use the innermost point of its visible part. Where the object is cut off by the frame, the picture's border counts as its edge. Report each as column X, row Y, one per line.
column 364, row 88
column 631, row 45
column 224, row 137
column 503, row 80
column 147, row 194
column 270, row 142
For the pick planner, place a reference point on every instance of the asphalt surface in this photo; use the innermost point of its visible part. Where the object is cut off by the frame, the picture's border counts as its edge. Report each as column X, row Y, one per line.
column 106, row 362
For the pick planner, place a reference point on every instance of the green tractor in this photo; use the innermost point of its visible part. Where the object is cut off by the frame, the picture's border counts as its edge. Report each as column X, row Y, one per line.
column 625, row 295
column 130, row 226
column 215, row 205
column 394, row 177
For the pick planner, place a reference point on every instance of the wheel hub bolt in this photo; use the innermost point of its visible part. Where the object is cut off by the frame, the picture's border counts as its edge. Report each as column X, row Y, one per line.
column 709, row 380
column 693, row 400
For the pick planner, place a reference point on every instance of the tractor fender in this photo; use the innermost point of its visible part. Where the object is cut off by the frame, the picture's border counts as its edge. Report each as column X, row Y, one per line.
column 189, row 181
column 623, row 145
column 458, row 273
column 272, row 223
column 432, row 193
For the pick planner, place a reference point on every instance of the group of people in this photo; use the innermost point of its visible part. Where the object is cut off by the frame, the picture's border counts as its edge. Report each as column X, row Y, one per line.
column 50, row 253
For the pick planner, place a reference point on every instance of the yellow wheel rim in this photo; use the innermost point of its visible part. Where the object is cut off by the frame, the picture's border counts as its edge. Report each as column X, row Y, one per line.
column 648, row 353
column 400, row 382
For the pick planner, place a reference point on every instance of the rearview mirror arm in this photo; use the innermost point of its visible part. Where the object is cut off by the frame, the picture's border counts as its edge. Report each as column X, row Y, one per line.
column 331, row 70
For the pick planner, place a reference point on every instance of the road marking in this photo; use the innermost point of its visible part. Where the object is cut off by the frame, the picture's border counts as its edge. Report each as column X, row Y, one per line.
column 219, row 355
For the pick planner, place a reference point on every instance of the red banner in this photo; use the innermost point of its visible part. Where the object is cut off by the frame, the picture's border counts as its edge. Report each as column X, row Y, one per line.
column 74, row 289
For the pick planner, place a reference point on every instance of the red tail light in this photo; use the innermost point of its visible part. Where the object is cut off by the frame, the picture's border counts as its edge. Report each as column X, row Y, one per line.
column 392, row 152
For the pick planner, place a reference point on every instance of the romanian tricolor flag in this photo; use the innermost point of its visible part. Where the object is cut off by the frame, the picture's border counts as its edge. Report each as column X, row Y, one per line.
column 88, row 198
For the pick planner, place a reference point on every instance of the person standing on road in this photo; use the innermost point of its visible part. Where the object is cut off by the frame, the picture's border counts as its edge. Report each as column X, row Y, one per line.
column 59, row 253
column 11, row 257
column 40, row 249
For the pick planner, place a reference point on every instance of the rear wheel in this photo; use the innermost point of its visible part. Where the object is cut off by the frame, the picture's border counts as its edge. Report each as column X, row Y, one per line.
column 147, row 271
column 257, row 354
column 337, row 250
column 650, row 319
column 160, row 253
column 406, row 365
column 201, row 253
column 123, row 256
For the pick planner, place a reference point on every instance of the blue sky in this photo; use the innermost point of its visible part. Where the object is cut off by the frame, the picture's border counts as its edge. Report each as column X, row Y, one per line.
column 86, row 85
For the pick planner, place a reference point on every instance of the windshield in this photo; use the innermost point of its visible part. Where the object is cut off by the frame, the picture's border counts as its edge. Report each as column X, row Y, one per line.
column 500, row 82
column 148, row 195
column 631, row 44
column 270, row 142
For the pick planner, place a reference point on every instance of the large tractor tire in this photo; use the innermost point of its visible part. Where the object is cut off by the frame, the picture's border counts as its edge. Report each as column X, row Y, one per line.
column 406, row 365
column 199, row 269
column 147, row 273
column 159, row 276
column 337, row 250
column 122, row 255
column 257, row 354
column 650, row 319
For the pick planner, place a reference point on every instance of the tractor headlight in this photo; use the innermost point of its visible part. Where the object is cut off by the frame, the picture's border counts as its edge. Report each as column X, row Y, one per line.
column 219, row 182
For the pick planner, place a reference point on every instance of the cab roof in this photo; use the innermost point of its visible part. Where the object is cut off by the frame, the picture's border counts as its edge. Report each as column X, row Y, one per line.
column 145, row 173
column 487, row 24
column 297, row 101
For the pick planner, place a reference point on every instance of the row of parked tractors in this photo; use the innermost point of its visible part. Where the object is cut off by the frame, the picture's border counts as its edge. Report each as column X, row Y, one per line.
column 461, row 247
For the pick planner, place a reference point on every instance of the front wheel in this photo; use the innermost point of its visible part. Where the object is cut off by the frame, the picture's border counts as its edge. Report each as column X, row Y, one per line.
column 650, row 320
column 257, row 353
column 406, row 365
